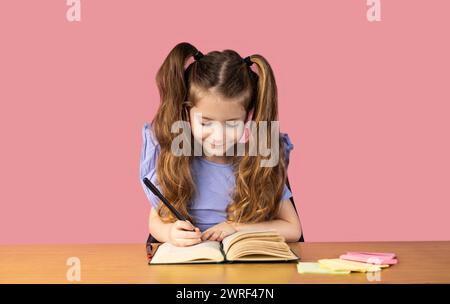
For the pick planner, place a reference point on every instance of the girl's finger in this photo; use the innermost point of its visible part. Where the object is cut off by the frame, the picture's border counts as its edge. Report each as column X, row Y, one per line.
column 215, row 235
column 188, row 234
column 206, row 234
column 221, row 236
column 184, row 225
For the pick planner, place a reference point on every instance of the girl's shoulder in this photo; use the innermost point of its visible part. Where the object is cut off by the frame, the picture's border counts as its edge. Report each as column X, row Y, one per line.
column 149, row 151
column 149, row 155
column 148, row 136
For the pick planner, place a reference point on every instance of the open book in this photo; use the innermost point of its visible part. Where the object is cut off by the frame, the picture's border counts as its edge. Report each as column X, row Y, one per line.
column 242, row 246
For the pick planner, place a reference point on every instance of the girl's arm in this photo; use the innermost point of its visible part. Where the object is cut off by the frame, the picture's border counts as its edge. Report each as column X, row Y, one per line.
column 176, row 233
column 286, row 223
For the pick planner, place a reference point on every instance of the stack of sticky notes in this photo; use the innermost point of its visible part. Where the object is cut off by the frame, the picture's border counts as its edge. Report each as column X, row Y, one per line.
column 377, row 258
column 312, row 267
column 349, row 262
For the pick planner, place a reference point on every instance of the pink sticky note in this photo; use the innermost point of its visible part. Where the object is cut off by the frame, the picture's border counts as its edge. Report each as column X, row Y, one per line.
column 387, row 254
column 369, row 258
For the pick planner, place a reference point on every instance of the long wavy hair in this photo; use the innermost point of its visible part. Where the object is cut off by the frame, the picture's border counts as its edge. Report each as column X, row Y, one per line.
column 258, row 189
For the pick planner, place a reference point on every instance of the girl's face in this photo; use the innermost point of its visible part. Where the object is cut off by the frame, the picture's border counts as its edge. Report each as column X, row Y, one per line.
column 217, row 123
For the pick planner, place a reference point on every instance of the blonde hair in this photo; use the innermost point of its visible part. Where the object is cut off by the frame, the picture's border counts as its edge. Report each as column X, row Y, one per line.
column 258, row 189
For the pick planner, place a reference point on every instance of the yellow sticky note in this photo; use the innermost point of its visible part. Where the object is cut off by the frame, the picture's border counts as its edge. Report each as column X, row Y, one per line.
column 343, row 265
column 312, row 267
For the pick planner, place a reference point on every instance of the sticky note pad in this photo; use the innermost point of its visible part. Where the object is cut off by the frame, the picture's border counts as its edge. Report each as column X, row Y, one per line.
column 311, row 267
column 344, row 265
column 370, row 258
column 385, row 254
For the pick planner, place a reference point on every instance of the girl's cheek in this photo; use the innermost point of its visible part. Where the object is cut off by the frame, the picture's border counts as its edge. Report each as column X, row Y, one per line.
column 230, row 136
column 197, row 131
column 234, row 134
column 200, row 135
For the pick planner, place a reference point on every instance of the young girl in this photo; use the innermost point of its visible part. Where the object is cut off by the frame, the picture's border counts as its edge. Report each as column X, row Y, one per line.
column 219, row 194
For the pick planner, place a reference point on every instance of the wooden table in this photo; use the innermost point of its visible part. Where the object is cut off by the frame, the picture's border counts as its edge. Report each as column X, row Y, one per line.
column 419, row 262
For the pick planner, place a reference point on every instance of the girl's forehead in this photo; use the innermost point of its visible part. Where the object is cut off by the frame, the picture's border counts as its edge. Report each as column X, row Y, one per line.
column 216, row 108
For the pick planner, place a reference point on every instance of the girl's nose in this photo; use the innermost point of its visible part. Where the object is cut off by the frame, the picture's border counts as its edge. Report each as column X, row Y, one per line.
column 218, row 135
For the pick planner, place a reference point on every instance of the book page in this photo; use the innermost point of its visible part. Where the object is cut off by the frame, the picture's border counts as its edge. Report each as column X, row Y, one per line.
column 250, row 249
column 257, row 245
column 207, row 251
column 244, row 234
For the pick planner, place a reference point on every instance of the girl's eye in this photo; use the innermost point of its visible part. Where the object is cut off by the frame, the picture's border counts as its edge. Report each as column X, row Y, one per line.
column 232, row 124
column 208, row 123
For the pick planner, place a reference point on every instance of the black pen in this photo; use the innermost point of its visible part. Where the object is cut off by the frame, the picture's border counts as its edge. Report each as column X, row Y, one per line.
column 156, row 192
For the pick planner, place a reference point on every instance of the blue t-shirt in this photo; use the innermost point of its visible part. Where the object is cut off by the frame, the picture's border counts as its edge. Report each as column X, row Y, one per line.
column 214, row 182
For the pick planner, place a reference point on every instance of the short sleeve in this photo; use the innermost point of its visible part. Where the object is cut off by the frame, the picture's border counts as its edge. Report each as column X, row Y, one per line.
column 288, row 147
column 149, row 154
column 287, row 194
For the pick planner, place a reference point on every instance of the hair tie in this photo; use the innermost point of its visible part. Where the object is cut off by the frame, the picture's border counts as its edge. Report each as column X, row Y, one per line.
column 248, row 61
column 198, row 55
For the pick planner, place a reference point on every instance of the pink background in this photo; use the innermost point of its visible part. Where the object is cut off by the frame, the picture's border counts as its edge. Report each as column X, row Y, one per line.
column 365, row 104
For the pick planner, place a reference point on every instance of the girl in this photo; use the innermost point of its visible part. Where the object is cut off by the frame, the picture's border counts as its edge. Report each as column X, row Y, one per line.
column 219, row 194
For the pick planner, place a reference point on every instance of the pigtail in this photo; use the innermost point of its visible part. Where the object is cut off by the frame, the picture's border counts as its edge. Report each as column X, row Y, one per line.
column 172, row 89
column 259, row 189
column 173, row 172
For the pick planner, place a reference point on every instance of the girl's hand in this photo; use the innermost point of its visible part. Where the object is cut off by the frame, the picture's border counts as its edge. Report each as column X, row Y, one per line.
column 218, row 232
column 180, row 234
